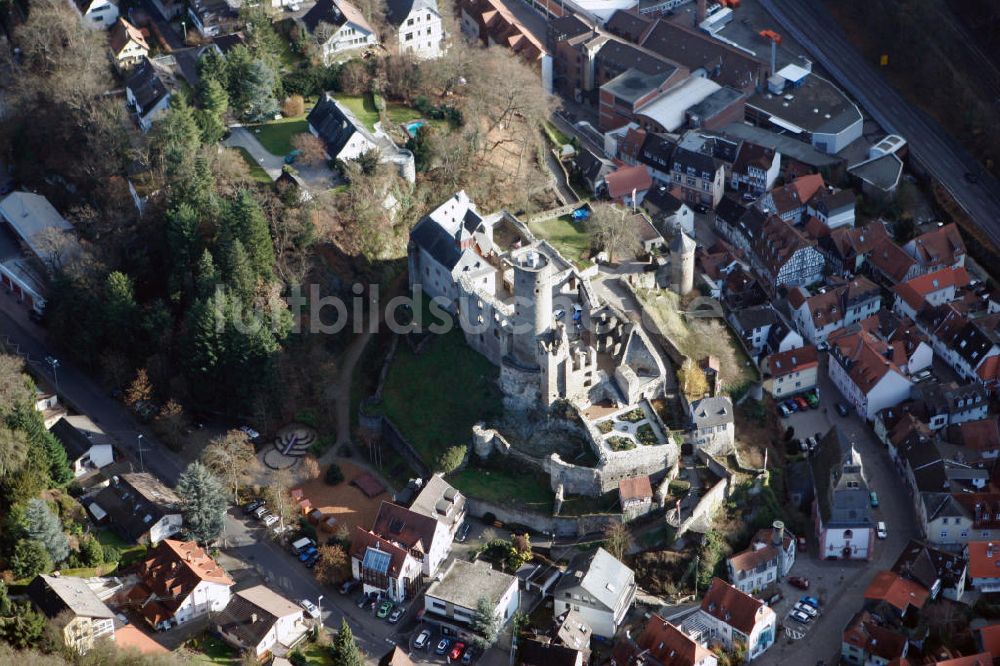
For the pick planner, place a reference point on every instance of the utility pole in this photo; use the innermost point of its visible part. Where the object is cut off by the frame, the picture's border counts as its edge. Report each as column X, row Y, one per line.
column 697, row 567
column 54, row 364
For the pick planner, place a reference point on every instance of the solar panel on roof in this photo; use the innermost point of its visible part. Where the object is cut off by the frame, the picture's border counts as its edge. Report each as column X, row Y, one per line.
column 376, row 560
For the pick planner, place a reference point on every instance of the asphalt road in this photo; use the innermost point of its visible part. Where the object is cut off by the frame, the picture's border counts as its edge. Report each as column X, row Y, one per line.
column 939, row 153
column 841, row 585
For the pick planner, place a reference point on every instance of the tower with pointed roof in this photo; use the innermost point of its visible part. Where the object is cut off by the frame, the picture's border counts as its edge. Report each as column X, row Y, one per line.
column 682, row 263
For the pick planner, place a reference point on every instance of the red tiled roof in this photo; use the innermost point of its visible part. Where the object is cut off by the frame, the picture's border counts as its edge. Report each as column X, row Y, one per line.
column 990, row 637
column 411, row 530
column 984, row 560
column 942, row 246
column 122, row 33
column 797, row 193
column 363, row 539
column 778, row 242
column 793, row 360
column 891, row 260
column 622, row 182
column 862, row 632
column 915, row 291
column 638, row 487
column 737, row 609
column 815, row 229
column 131, row 637
column 171, row 572
column 632, row 142
column 865, row 357
column 668, row 645
column 896, row 591
column 983, row 435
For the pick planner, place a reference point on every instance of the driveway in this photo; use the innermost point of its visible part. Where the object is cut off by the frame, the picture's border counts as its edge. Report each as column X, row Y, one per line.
column 840, row 585
column 241, row 137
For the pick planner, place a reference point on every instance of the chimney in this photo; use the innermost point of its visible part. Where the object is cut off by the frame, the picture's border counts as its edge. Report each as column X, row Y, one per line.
column 778, row 534
column 253, row 618
column 774, row 57
column 702, row 13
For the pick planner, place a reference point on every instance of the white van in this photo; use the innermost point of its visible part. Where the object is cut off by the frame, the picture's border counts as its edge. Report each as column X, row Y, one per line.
column 881, row 531
column 302, row 544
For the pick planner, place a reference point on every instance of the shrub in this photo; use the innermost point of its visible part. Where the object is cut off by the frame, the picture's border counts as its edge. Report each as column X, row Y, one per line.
column 620, row 443
column 450, row 460
column 91, row 552
column 679, row 487
column 322, row 445
column 111, row 553
column 294, row 105
column 646, row 435
column 334, row 475
column 297, row 658
column 378, row 102
column 307, row 416
column 489, row 518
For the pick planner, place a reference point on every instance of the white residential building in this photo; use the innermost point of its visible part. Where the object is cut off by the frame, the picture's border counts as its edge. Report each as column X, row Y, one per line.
column 860, row 365
column 713, row 424
column 729, row 617
column 179, row 582
column 600, row 588
column 768, row 559
column 87, row 618
column 96, row 14
column 816, row 317
column 451, row 601
column 339, row 27
column 384, row 567
column 261, row 621
column 88, row 448
column 423, row 537
column 418, row 26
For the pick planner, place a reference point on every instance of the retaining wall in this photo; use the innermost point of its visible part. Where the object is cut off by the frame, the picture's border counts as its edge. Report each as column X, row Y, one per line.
column 561, row 526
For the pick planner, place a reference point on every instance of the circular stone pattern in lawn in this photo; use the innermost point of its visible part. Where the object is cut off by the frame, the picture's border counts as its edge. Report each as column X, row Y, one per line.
column 294, row 440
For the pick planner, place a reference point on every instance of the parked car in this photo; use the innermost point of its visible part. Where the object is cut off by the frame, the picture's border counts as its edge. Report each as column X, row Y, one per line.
column 812, row 601
column 812, row 399
column 250, row 432
column 457, row 651
column 469, row 655
column 260, row 512
column 843, row 409
column 307, row 553
column 799, row 616
column 349, row 586
column 270, row 519
column 423, row 639
column 873, row 496
column 442, row 646
column 922, row 376
column 791, row 405
column 463, row 532
column 250, row 507
column 361, row 601
column 310, row 608
column 311, row 562
column 396, row 615
column 881, row 531
column 785, row 412
column 807, row 609
column 302, row 544
column 801, row 402
column 799, row 582
column 812, row 442
column 384, row 609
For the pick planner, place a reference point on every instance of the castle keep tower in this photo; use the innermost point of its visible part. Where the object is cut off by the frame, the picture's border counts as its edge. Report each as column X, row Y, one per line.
column 532, row 303
column 682, row 263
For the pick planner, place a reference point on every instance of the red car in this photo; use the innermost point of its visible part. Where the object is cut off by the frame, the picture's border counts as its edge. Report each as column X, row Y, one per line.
column 799, row 582
column 456, row 651
column 801, row 402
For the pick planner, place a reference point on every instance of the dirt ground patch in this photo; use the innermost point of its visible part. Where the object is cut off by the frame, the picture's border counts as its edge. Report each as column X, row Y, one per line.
column 345, row 502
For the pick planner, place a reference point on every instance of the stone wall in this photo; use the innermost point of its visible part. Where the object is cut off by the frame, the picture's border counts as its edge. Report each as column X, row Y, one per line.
column 706, row 506
column 561, row 526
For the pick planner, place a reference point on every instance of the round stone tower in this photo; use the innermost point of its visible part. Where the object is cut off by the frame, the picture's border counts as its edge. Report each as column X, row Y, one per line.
column 682, row 263
column 532, row 302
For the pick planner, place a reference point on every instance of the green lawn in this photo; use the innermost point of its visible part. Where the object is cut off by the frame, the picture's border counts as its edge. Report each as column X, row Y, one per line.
column 582, row 505
column 516, row 486
column 211, row 650
column 317, row 655
column 276, row 137
column 557, row 138
column 567, row 236
column 362, row 107
column 435, row 398
column 130, row 552
column 256, row 171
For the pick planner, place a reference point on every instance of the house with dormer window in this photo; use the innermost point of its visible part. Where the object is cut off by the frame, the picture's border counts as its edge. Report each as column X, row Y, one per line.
column 842, row 514
column 600, row 588
column 384, row 567
column 728, row 617
column 338, row 27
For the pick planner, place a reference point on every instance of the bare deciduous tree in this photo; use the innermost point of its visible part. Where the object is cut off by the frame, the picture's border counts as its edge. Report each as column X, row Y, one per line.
column 312, row 150
column 617, row 540
column 232, row 458
column 613, row 230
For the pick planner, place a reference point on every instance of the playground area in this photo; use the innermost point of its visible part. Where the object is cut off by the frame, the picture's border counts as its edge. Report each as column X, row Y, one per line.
column 345, row 502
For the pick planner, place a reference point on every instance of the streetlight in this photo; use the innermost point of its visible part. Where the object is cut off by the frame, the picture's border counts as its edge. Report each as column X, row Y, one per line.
column 142, row 468
column 319, row 605
column 54, row 364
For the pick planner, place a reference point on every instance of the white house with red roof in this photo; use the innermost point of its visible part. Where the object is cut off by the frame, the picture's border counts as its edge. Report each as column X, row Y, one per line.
column 984, row 565
column 816, row 317
column 941, row 248
column 383, row 566
column 629, row 184
column 769, row 558
column 789, row 202
column 662, row 643
column 179, row 582
column 728, row 617
column 930, row 289
column 790, row 372
column 862, row 367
